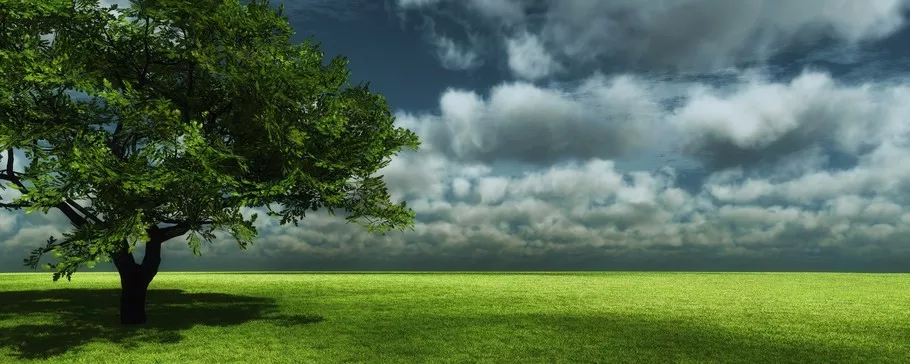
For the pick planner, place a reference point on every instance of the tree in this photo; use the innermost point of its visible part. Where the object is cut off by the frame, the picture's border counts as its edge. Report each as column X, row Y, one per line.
column 164, row 119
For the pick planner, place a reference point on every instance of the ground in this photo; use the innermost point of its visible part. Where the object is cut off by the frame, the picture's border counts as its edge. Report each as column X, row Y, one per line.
column 470, row 317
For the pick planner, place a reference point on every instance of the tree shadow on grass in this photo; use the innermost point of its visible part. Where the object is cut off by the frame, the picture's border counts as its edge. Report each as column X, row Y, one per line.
column 612, row 338
column 42, row 324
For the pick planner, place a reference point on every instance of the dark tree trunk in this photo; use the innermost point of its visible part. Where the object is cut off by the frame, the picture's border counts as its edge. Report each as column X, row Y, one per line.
column 133, row 287
column 134, row 281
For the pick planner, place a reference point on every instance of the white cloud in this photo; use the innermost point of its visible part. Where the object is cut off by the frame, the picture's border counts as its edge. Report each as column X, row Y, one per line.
column 461, row 187
column 684, row 34
column 584, row 206
column 528, row 59
column 122, row 4
column 492, row 189
column 766, row 121
column 7, row 223
column 454, row 56
column 712, row 33
column 417, row 174
column 523, row 122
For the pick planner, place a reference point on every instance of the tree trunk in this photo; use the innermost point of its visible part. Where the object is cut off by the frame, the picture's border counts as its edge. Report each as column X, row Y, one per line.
column 134, row 281
column 133, row 287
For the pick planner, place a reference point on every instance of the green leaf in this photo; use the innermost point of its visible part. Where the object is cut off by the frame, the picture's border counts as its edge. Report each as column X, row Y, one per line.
column 194, row 242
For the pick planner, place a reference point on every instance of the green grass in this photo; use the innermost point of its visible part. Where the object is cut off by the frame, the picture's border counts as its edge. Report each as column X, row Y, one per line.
column 463, row 318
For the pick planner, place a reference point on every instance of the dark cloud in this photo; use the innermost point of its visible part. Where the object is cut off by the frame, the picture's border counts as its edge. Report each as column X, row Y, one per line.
column 347, row 10
column 679, row 35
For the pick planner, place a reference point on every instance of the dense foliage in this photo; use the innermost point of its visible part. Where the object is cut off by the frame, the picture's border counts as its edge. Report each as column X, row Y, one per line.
column 165, row 118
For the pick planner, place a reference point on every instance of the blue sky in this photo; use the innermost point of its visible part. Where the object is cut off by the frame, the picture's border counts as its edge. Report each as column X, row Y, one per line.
column 622, row 134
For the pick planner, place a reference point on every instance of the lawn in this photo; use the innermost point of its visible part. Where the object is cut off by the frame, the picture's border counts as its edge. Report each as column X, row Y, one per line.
column 464, row 318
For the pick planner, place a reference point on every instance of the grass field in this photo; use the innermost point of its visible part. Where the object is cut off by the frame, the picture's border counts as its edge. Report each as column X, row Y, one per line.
column 463, row 318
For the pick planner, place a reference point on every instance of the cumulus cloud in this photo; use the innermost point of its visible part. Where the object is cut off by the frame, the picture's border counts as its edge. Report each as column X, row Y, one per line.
column 682, row 34
column 592, row 209
column 7, row 223
column 454, row 56
column 522, row 122
column 765, row 121
column 801, row 205
column 528, row 59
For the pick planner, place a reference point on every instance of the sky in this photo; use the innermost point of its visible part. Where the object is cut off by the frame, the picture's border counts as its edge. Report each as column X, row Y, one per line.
column 708, row 135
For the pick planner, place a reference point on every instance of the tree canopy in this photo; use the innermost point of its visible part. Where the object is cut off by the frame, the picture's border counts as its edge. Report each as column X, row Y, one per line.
column 166, row 118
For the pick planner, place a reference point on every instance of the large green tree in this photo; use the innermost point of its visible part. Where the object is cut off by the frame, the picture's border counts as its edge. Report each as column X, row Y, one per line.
column 166, row 118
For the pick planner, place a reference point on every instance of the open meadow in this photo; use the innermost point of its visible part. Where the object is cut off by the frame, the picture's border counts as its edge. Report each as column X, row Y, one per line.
column 462, row 318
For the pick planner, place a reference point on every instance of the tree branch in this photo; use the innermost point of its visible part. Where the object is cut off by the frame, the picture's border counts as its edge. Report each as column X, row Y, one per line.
column 168, row 63
column 170, row 232
column 114, row 143
column 16, row 206
column 83, row 211
column 15, row 180
column 76, row 219
column 67, row 206
column 190, row 82
column 213, row 116
column 9, row 162
column 152, row 258
column 145, row 47
column 123, row 259
column 172, row 221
